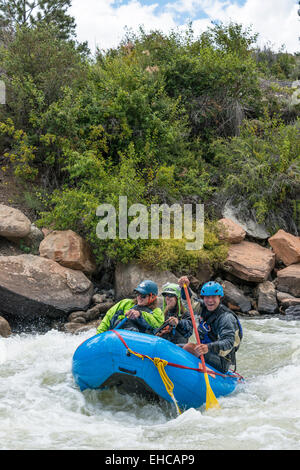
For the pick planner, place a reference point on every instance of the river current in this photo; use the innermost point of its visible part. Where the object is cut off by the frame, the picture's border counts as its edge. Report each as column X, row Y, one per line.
column 41, row 407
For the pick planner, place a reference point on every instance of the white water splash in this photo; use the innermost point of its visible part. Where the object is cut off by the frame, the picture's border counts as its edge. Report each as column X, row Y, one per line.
column 41, row 408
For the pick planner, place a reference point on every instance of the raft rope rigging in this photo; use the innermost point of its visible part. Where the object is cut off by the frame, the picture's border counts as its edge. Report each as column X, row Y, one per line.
column 162, row 363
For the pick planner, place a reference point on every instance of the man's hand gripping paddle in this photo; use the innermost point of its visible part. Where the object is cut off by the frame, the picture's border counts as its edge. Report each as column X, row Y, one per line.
column 211, row 401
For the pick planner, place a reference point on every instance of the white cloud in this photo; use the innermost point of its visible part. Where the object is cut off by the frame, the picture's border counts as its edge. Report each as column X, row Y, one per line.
column 103, row 22
column 276, row 21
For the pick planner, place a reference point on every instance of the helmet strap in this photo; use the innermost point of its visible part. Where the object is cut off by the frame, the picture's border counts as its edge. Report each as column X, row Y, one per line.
column 152, row 297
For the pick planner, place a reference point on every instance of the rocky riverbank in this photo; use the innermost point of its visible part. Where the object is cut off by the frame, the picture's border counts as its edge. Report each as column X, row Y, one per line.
column 51, row 277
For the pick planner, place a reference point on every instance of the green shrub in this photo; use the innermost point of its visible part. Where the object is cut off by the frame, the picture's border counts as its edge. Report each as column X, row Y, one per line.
column 172, row 254
column 37, row 66
column 261, row 169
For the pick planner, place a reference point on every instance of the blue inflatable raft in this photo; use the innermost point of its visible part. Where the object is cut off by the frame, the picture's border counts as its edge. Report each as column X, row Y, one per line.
column 147, row 365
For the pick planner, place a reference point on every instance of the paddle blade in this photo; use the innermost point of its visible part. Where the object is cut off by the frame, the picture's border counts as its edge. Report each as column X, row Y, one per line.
column 211, row 401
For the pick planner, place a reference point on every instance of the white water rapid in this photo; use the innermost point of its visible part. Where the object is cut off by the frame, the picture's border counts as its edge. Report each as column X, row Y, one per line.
column 41, row 408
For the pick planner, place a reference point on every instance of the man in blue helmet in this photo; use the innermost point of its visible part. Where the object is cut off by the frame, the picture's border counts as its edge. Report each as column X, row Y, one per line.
column 142, row 313
column 219, row 329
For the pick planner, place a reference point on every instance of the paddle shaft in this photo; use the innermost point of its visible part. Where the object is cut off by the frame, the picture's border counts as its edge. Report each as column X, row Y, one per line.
column 121, row 323
column 187, row 295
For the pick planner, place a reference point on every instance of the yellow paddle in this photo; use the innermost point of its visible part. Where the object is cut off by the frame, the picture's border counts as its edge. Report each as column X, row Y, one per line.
column 211, row 401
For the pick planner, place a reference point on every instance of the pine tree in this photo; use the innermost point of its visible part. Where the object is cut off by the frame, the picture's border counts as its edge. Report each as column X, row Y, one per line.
column 18, row 13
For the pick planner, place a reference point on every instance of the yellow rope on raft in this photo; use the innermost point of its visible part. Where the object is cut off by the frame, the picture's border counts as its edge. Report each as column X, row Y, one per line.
column 161, row 364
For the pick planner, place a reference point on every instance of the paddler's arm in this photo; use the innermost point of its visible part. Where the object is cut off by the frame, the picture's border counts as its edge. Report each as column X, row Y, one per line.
column 226, row 336
column 154, row 319
column 122, row 305
column 185, row 325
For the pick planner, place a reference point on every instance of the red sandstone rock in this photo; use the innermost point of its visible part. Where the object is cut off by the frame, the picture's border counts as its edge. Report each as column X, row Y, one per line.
column 286, row 247
column 68, row 249
column 230, row 231
column 13, row 223
column 288, row 280
column 249, row 261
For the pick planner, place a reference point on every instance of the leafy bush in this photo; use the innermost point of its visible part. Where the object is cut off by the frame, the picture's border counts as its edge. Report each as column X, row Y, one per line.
column 157, row 119
column 37, row 66
column 280, row 65
column 172, row 254
column 261, row 170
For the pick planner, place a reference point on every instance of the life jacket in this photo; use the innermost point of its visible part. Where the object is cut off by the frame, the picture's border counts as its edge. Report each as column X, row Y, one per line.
column 208, row 336
column 130, row 324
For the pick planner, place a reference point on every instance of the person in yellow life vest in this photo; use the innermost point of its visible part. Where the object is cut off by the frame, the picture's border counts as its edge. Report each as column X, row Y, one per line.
column 142, row 313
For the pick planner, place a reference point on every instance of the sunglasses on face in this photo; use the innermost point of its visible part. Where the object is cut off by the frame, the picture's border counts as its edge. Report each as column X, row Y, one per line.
column 169, row 295
column 143, row 296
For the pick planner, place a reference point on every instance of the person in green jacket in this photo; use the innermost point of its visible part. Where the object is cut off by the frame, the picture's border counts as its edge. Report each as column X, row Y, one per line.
column 143, row 314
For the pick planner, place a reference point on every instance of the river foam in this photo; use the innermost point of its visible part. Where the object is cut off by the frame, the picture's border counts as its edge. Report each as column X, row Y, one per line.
column 41, row 407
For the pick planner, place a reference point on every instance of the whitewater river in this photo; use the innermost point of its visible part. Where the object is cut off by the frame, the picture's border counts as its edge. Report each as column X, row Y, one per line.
column 41, row 408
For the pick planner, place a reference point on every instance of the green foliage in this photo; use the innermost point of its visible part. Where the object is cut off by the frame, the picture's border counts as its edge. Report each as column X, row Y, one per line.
column 261, row 168
column 19, row 13
column 280, row 65
column 172, row 254
column 37, row 66
column 232, row 38
column 24, row 153
column 212, row 83
column 209, row 74
column 157, row 119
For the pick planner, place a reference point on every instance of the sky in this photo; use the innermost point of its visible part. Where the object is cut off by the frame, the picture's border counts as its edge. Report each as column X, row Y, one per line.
column 103, row 22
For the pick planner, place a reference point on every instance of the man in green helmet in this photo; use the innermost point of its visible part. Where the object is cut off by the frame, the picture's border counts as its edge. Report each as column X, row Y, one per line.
column 178, row 321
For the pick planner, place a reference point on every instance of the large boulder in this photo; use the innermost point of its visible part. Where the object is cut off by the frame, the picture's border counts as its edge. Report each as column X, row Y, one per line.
column 128, row 276
column 267, row 301
column 13, row 223
column 288, row 280
column 287, row 300
column 5, row 329
column 231, row 231
column 68, row 249
column 235, row 299
column 31, row 287
column 249, row 224
column 293, row 310
column 249, row 261
column 286, row 247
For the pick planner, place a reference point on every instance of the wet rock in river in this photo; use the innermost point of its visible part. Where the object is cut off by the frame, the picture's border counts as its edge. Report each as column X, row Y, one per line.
column 235, row 299
column 267, row 301
column 32, row 287
column 5, row 329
